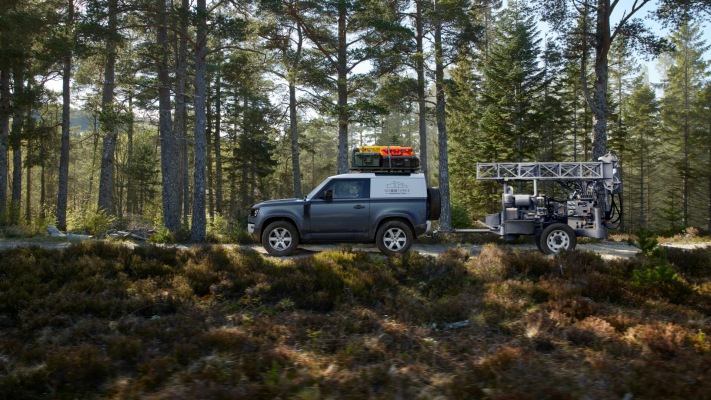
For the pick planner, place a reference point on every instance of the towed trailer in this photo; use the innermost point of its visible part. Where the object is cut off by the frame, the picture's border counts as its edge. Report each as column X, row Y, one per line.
column 592, row 204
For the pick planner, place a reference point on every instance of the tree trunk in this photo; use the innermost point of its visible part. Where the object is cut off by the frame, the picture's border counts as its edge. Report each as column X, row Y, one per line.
column 598, row 105
column 4, row 134
column 63, row 183
column 293, row 121
column 181, row 129
column 208, row 154
column 642, row 154
column 93, row 156
column 421, row 88
column 197, row 230
column 132, row 206
column 16, row 142
column 243, row 156
column 106, row 177
column 232, row 178
column 343, row 117
column 294, row 132
column 708, row 138
column 445, row 219
column 217, row 141
column 169, row 142
column 598, row 102
column 687, row 146
column 43, row 188
column 28, row 199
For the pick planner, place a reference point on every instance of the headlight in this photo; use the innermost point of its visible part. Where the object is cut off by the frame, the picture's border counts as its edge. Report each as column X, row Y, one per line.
column 253, row 212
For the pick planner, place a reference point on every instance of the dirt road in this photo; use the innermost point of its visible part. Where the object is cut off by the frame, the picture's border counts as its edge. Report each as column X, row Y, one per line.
column 607, row 249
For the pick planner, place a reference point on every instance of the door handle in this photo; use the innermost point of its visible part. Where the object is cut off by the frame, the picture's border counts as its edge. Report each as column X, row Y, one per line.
column 359, row 206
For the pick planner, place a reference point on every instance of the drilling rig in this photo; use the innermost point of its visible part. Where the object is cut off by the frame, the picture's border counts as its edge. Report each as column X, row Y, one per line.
column 592, row 203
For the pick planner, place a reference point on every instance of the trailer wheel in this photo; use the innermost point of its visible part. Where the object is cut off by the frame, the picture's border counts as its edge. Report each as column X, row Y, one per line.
column 280, row 239
column 394, row 237
column 557, row 237
column 434, row 204
column 537, row 238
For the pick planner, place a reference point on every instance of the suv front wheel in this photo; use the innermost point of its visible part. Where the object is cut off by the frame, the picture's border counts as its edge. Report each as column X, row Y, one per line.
column 394, row 237
column 280, row 239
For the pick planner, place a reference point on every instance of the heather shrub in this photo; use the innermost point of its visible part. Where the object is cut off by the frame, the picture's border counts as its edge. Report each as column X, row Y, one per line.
column 447, row 275
column 77, row 370
column 661, row 340
column 693, row 262
column 328, row 279
column 591, row 332
column 528, row 264
column 100, row 321
column 489, row 265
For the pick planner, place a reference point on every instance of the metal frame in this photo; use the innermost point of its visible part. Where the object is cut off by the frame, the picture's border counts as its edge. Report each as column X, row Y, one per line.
column 535, row 171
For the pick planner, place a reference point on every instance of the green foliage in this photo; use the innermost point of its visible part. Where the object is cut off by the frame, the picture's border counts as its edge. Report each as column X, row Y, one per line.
column 95, row 223
column 655, row 273
column 460, row 218
column 40, row 223
column 223, row 230
column 164, row 236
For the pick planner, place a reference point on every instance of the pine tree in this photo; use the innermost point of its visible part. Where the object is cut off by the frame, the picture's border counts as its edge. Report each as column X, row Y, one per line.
column 63, row 181
column 199, row 223
column 461, row 120
column 685, row 72
column 554, row 112
column 344, row 34
column 642, row 141
column 703, row 132
column 512, row 90
column 169, row 141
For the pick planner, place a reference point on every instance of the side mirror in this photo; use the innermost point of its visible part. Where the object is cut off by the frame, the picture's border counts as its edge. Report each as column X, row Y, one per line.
column 327, row 194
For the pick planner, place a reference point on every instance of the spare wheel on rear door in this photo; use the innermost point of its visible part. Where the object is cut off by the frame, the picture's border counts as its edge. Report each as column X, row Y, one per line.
column 434, row 204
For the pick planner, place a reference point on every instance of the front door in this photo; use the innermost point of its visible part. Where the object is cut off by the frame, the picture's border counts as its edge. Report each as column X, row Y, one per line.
column 341, row 212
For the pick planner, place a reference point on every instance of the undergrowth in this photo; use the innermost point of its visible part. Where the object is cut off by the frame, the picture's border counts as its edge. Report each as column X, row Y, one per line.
column 99, row 320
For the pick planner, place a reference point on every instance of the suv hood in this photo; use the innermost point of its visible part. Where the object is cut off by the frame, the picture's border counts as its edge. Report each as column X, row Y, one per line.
column 279, row 202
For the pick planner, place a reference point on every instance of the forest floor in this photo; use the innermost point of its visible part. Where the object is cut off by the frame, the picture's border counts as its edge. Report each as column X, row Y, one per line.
column 104, row 319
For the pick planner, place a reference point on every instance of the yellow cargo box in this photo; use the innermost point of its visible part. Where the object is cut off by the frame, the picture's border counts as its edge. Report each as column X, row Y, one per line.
column 385, row 151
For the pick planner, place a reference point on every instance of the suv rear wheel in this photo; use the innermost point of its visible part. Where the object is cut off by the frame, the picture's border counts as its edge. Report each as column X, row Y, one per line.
column 394, row 237
column 280, row 238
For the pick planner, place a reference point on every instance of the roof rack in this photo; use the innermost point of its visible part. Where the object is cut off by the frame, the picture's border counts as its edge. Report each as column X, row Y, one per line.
column 384, row 159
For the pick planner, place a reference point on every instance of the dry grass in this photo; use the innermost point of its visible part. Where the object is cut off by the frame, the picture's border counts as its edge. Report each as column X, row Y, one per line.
column 104, row 321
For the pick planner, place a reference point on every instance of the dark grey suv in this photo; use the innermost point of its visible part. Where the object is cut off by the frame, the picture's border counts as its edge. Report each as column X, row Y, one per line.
column 390, row 209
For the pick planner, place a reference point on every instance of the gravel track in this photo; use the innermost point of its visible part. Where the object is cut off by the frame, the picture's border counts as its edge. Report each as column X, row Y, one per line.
column 607, row 249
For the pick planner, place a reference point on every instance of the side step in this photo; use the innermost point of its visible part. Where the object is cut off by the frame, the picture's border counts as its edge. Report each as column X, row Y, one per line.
column 464, row 231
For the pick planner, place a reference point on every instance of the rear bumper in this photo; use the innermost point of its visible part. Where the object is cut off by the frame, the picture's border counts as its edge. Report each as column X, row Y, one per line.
column 423, row 228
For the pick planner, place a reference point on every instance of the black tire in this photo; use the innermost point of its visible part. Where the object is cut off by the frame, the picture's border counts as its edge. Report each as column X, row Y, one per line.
column 280, row 239
column 557, row 237
column 434, row 204
column 394, row 237
column 537, row 238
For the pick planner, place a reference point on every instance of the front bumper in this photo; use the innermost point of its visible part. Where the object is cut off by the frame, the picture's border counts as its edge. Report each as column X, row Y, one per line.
column 252, row 232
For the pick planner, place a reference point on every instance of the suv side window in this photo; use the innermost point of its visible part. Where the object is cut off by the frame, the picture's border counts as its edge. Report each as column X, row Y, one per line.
column 349, row 189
